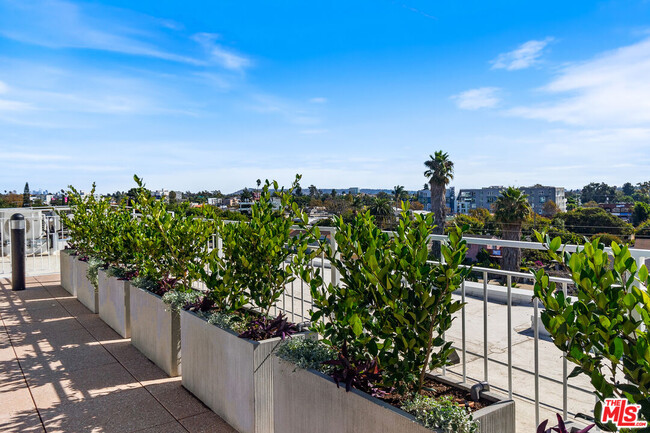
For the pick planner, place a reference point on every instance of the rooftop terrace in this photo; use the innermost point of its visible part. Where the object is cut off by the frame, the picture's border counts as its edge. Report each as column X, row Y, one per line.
column 62, row 369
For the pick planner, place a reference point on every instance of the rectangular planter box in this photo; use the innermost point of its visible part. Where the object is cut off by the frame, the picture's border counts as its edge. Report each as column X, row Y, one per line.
column 114, row 303
column 68, row 274
column 155, row 330
column 231, row 375
column 86, row 292
column 308, row 401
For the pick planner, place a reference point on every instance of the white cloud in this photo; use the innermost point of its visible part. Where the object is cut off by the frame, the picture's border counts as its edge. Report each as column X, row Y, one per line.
column 610, row 90
column 474, row 99
column 3, row 87
column 318, row 100
column 229, row 59
column 226, row 58
column 62, row 24
column 525, row 56
column 6, row 105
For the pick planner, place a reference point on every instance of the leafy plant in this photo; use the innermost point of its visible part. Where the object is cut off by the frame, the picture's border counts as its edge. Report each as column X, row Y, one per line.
column 258, row 259
column 342, row 312
column 392, row 304
column 441, row 413
column 560, row 428
column 170, row 246
column 80, row 221
column 605, row 330
column 362, row 374
column 264, row 328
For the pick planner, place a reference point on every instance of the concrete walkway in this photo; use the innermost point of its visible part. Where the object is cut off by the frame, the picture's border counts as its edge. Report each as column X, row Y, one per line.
column 64, row 370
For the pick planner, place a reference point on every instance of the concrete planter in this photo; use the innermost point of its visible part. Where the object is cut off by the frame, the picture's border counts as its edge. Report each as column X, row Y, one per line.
column 68, row 274
column 308, row 401
column 114, row 303
column 231, row 375
column 86, row 292
column 155, row 330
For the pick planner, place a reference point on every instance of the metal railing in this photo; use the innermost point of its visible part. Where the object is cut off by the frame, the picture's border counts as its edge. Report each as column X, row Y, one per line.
column 45, row 235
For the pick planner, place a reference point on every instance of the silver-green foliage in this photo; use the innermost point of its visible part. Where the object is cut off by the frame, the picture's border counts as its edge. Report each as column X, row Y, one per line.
column 227, row 321
column 177, row 300
column 441, row 413
column 93, row 268
column 306, row 353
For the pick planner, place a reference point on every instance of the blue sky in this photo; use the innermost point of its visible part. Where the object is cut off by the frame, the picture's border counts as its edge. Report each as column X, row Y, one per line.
column 213, row 95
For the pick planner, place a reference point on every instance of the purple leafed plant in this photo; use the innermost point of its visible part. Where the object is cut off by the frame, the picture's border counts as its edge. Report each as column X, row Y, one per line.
column 129, row 275
column 264, row 328
column 362, row 375
column 204, row 304
column 560, row 428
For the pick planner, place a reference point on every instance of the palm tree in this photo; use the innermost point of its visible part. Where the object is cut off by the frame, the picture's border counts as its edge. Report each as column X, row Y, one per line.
column 440, row 171
column 511, row 209
column 356, row 203
column 399, row 194
column 382, row 210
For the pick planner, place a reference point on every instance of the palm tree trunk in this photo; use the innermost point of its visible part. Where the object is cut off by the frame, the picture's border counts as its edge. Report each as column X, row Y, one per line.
column 439, row 209
column 511, row 256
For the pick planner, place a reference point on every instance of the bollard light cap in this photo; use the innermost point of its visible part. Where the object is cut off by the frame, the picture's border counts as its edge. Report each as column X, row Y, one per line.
column 17, row 221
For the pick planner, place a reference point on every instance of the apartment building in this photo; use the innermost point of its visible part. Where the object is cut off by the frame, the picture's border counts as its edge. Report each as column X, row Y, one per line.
column 538, row 195
column 424, row 197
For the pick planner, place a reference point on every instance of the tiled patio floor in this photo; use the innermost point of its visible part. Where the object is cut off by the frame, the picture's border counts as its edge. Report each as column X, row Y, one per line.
column 64, row 370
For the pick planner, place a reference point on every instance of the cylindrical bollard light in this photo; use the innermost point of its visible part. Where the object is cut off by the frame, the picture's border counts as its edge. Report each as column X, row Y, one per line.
column 17, row 252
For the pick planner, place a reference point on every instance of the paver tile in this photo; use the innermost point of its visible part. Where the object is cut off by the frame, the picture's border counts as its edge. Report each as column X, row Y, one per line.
column 207, row 422
column 122, row 411
column 176, row 399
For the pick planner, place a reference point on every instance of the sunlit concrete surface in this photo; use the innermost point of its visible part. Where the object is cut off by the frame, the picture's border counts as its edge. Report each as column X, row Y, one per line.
column 64, row 370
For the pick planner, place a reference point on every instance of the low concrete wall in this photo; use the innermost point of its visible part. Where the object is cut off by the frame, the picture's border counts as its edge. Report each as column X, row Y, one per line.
column 86, row 292
column 114, row 303
column 231, row 375
column 308, row 401
column 155, row 330
column 498, row 293
column 68, row 273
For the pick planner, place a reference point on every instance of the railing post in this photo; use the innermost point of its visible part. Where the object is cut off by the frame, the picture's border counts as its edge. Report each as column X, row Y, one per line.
column 17, row 252
column 509, row 313
column 334, row 275
column 485, row 326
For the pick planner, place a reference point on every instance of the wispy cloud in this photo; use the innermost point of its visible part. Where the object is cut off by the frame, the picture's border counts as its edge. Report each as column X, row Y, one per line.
column 611, row 89
column 62, row 24
column 474, row 99
column 318, row 100
column 288, row 110
column 225, row 57
column 524, row 56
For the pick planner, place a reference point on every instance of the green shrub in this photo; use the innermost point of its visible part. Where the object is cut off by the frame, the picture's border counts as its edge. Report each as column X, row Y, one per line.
column 605, row 330
column 392, row 305
column 606, row 238
column 170, row 247
column 442, row 413
column 258, row 258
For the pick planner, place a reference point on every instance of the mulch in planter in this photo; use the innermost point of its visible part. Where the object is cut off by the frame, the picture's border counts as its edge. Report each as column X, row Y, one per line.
column 437, row 390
